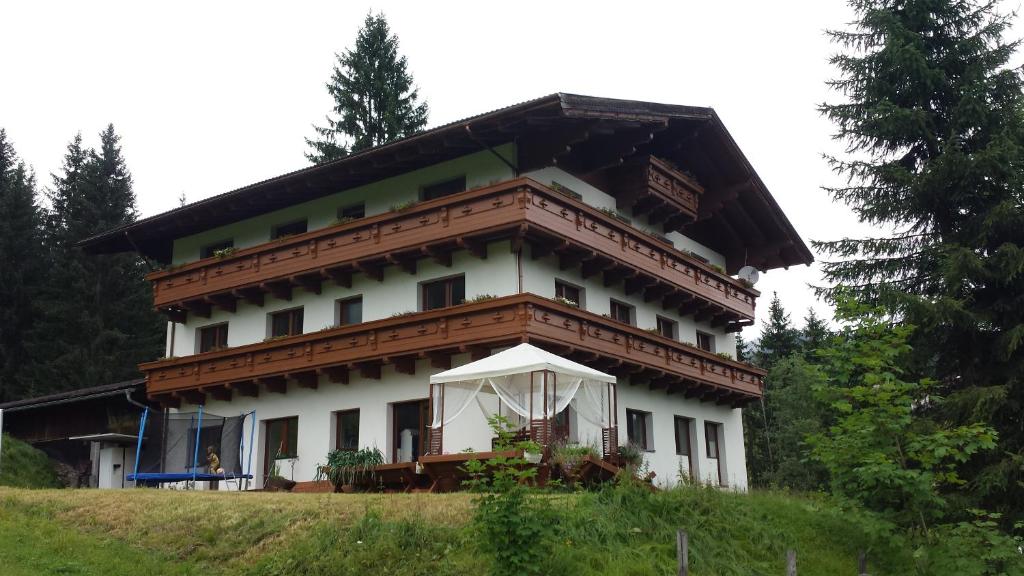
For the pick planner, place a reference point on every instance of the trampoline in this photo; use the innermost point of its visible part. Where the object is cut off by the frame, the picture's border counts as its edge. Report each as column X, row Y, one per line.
column 176, row 447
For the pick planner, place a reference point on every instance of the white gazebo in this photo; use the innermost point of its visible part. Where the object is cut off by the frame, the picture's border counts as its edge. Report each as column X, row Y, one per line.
column 532, row 387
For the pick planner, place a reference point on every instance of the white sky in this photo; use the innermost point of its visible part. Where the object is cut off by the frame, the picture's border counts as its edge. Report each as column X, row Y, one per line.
column 211, row 96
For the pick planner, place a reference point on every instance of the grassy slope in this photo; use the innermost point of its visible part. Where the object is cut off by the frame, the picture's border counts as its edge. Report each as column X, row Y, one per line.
column 23, row 466
column 617, row 532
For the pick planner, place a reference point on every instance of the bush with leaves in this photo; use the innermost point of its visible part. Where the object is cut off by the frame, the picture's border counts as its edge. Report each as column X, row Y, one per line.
column 881, row 453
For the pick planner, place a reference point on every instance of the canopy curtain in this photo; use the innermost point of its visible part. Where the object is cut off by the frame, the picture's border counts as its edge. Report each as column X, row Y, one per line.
column 451, row 399
column 592, row 403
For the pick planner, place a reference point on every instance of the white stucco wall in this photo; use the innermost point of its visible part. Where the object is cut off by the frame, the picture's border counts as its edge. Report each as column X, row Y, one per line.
column 481, row 169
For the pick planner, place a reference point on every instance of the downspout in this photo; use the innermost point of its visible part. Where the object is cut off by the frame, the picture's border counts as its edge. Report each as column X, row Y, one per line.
column 473, row 137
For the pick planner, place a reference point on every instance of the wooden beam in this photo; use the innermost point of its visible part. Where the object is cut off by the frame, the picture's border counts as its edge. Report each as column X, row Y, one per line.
column 252, row 295
column 442, row 360
column 441, row 256
column 403, row 364
column 405, row 263
column 335, row 374
column 340, row 276
column 191, row 396
column 312, row 283
column 306, row 379
column 375, row 272
column 477, row 248
column 166, row 400
column 282, row 290
column 175, row 314
column 245, row 388
column 656, row 292
column 218, row 392
column 225, row 302
column 638, row 283
column 275, row 384
column 369, row 370
column 197, row 307
column 475, row 352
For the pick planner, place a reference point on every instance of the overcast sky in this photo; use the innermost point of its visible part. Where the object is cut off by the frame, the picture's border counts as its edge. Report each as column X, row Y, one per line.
column 211, row 96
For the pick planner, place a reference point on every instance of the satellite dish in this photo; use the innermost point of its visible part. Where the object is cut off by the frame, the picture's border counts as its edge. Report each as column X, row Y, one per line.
column 749, row 273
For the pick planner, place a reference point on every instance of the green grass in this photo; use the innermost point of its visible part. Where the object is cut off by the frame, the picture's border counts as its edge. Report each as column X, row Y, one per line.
column 614, row 532
column 22, row 466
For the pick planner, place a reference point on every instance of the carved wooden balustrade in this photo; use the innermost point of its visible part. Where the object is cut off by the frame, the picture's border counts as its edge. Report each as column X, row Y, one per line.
column 651, row 186
column 519, row 209
column 329, row 355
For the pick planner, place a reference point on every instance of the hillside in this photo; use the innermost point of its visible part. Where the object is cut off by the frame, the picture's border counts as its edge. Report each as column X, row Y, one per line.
column 616, row 532
column 22, row 466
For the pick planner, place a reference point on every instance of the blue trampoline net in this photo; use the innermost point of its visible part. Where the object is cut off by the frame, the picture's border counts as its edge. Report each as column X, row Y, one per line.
column 190, row 445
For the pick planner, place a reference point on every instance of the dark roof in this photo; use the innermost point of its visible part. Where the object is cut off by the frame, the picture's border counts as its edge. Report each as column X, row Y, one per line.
column 739, row 205
column 76, row 395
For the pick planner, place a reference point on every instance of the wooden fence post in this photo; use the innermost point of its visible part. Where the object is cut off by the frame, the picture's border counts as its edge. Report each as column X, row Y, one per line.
column 682, row 553
column 790, row 562
column 862, row 564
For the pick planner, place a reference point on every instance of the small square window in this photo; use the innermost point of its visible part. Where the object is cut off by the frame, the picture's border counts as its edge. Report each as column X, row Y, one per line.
column 668, row 328
column 638, row 429
column 444, row 293
column 289, row 229
column 446, row 188
column 348, row 430
column 352, row 212
column 569, row 292
column 210, row 250
column 622, row 312
column 350, row 311
column 213, row 337
column 705, row 341
column 286, row 323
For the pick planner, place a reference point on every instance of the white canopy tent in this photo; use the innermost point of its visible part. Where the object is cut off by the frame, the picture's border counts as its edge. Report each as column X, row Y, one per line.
column 532, row 386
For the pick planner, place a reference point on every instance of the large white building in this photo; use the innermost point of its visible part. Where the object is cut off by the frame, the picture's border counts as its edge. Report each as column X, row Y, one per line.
column 602, row 230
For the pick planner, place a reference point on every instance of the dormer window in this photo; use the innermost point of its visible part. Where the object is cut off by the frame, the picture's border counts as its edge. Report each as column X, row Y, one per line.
column 289, row 229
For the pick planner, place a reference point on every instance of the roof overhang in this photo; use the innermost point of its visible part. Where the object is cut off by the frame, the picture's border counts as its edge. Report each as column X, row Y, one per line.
column 739, row 217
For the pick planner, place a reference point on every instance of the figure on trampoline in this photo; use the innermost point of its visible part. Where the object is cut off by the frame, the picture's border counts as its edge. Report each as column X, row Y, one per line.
column 213, row 461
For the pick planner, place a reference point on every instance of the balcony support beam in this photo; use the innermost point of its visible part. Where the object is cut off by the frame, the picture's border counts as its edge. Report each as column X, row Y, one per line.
column 252, row 295
column 335, row 374
column 245, row 388
column 275, row 384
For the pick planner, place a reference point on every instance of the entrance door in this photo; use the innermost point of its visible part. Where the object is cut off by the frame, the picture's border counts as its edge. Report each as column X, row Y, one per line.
column 409, row 435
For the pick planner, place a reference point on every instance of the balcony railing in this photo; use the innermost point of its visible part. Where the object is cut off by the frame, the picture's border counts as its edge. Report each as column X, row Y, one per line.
column 651, row 186
column 438, row 334
column 553, row 222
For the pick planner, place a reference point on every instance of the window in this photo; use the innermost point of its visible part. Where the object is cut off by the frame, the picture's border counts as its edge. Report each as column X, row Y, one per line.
column 683, row 446
column 711, row 439
column 667, row 328
column 289, row 229
column 282, row 441
column 705, row 341
column 444, row 293
column 569, row 292
column 213, row 337
column 348, row 430
column 446, row 188
column 622, row 312
column 286, row 323
column 638, row 429
column 210, row 249
column 350, row 311
column 352, row 212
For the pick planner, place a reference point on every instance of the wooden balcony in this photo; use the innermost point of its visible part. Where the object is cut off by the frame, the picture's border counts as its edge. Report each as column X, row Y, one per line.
column 521, row 209
column 642, row 357
column 650, row 186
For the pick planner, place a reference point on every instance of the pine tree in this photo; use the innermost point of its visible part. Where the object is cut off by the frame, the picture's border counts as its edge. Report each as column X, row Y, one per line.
column 779, row 338
column 375, row 100
column 815, row 333
column 98, row 321
column 22, row 257
column 933, row 123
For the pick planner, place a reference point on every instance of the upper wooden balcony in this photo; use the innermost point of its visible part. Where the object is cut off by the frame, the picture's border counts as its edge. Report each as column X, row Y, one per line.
column 653, row 187
column 626, row 351
column 520, row 209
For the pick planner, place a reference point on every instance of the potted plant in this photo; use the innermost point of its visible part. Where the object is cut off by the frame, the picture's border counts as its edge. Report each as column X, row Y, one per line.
column 567, row 457
column 347, row 469
column 275, row 482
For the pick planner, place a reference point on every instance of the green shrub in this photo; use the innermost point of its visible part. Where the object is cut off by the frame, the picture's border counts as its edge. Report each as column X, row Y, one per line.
column 22, row 466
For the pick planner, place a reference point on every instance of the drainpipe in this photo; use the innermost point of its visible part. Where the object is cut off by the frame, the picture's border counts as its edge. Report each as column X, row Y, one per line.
column 473, row 137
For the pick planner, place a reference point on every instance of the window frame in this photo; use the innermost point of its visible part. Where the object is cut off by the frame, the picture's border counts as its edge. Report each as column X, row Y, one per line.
column 343, row 209
column 269, row 458
column 201, row 330
column 275, row 232
column 709, row 428
column 710, row 338
column 580, row 291
column 673, row 327
column 629, row 308
column 207, row 250
column 427, row 191
column 646, row 420
column 448, row 294
column 271, row 316
column 338, row 415
column 339, row 310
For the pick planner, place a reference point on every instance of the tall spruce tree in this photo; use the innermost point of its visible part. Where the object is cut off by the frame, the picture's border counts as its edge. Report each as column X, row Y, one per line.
column 375, row 100
column 98, row 322
column 22, row 257
column 814, row 334
column 932, row 119
column 779, row 338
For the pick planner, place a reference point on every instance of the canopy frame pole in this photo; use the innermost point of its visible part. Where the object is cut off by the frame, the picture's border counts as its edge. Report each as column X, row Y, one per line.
column 138, row 443
column 252, row 441
column 195, row 452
